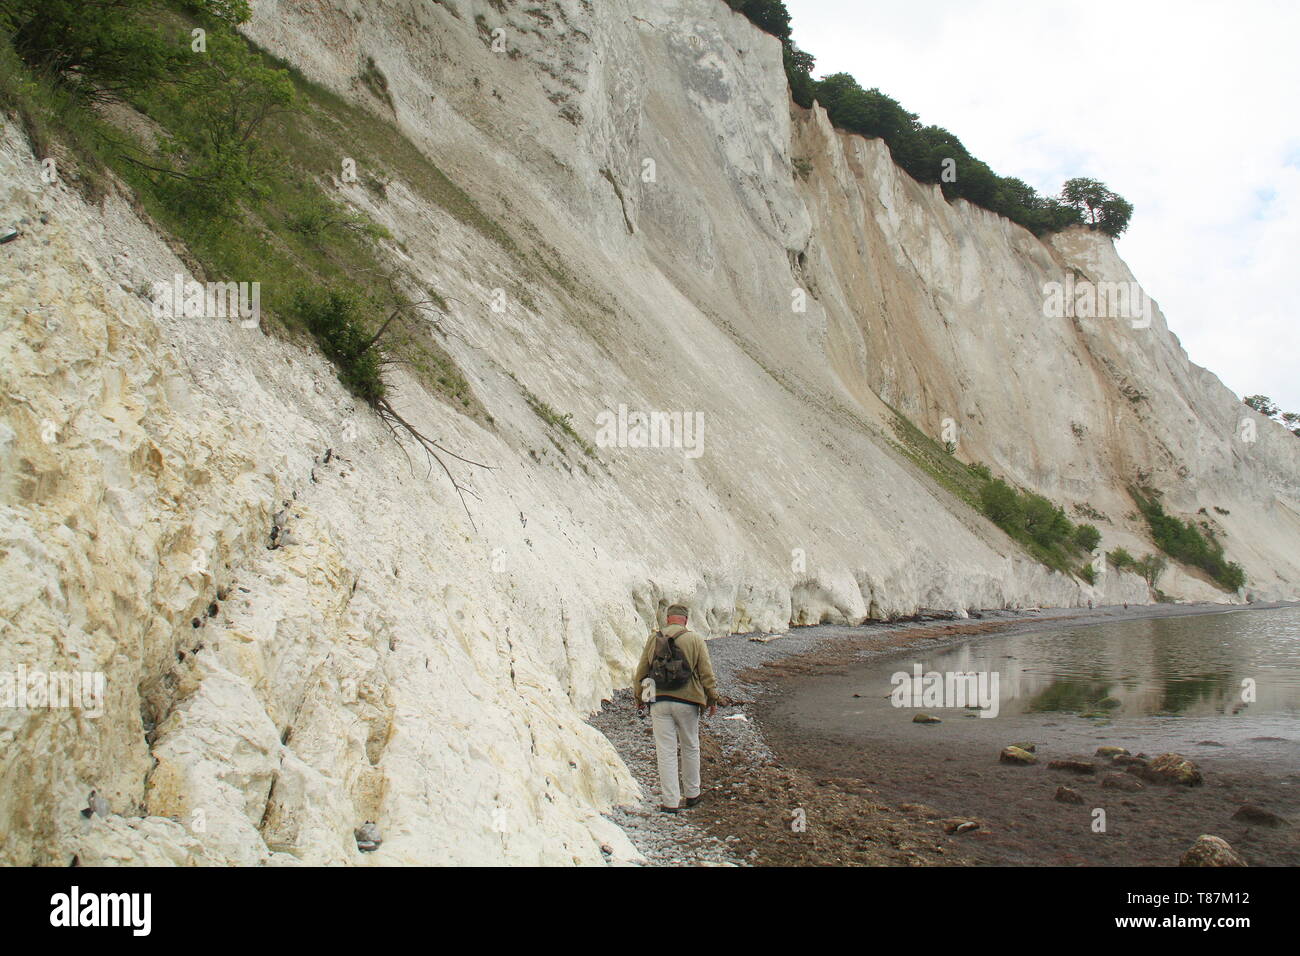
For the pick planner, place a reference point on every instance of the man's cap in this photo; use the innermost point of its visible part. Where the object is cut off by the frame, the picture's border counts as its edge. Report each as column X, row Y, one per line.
column 677, row 610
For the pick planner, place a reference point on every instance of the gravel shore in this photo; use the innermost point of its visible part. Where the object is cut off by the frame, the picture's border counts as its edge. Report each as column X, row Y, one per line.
column 756, row 811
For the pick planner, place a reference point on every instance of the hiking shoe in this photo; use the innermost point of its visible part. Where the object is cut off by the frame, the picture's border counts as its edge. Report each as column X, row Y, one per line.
column 663, row 809
column 692, row 801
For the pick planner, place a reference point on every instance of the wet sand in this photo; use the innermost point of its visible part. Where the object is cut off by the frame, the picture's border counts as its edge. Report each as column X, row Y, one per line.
column 781, row 792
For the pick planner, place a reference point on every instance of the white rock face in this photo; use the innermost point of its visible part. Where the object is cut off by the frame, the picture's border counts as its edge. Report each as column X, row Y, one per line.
column 394, row 662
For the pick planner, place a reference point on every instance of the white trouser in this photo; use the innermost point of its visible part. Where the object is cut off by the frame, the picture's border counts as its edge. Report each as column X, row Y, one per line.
column 674, row 722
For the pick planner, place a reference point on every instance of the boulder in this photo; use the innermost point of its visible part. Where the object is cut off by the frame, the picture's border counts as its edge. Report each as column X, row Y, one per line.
column 926, row 719
column 1211, row 851
column 1016, row 755
column 1174, row 769
column 1259, row 817
column 1066, row 795
column 1112, row 752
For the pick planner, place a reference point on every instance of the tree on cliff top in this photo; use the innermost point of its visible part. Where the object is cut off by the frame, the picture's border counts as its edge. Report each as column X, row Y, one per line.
column 1262, row 404
column 771, row 16
column 1101, row 208
column 924, row 152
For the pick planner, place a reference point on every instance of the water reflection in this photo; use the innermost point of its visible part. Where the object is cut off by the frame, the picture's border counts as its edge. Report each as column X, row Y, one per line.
column 1187, row 666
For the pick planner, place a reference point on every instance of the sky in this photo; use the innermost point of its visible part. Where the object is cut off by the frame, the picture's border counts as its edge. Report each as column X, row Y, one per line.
column 1186, row 109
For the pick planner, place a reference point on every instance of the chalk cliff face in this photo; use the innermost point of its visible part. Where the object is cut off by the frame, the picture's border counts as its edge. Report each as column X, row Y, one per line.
column 392, row 661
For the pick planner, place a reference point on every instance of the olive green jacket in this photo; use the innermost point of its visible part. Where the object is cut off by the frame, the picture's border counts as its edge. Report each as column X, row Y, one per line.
column 702, row 688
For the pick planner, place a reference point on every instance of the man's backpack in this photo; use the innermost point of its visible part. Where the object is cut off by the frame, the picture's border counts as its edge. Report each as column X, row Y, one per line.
column 669, row 666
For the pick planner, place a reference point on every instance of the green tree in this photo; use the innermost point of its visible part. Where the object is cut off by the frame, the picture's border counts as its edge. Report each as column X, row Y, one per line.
column 1001, row 504
column 768, row 15
column 1151, row 566
column 798, row 71
column 1044, row 521
column 1115, row 216
column 1100, row 208
column 1262, row 404
column 105, row 49
column 1087, row 537
column 215, row 155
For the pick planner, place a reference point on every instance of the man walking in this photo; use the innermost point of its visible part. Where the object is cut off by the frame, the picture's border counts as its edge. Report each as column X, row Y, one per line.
column 679, row 680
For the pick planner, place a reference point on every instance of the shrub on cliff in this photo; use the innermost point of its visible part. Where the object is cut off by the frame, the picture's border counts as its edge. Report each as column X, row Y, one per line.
column 1044, row 521
column 1184, row 542
column 1039, row 525
column 1262, row 404
column 209, row 94
column 334, row 317
column 111, row 49
column 1002, row 506
column 1150, row 566
column 216, row 155
column 1087, row 537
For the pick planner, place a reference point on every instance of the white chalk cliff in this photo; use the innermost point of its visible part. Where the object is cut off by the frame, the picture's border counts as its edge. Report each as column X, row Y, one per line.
column 394, row 663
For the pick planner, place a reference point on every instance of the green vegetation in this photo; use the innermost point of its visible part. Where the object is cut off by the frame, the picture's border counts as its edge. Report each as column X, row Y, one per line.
column 931, row 154
column 1151, row 566
column 376, row 82
column 1040, row 526
column 934, row 459
column 1087, row 537
column 1184, row 542
column 1262, row 404
column 1270, row 409
column 334, row 317
column 1099, row 207
column 237, row 157
column 563, row 423
column 1120, row 559
column 1089, row 512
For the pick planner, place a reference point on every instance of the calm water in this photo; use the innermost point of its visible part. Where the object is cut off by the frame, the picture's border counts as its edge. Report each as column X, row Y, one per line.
column 1165, row 683
column 1179, row 666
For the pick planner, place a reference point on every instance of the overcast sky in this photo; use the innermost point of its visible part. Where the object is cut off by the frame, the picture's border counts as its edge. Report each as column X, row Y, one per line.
column 1187, row 109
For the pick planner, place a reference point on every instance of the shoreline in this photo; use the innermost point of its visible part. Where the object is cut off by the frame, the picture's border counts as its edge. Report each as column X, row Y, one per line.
column 759, row 788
